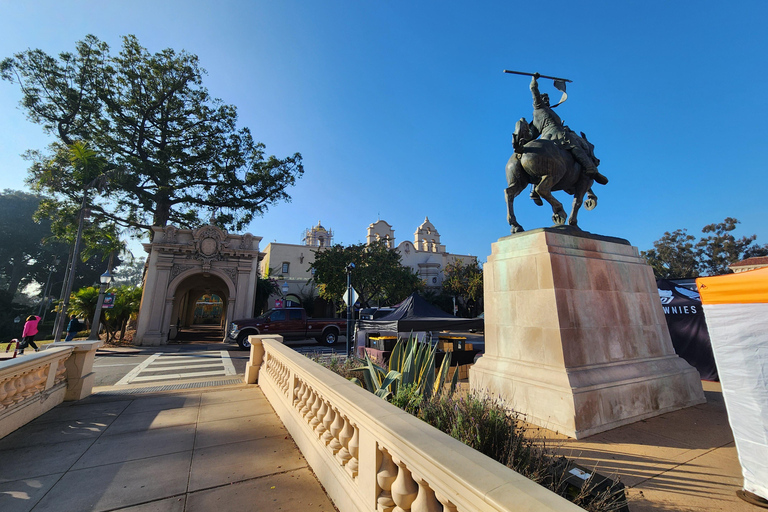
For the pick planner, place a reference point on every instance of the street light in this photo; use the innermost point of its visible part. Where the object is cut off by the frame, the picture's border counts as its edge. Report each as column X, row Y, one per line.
column 104, row 279
column 350, row 267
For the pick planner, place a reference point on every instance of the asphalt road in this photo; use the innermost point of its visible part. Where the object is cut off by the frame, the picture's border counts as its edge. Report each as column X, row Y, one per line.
column 183, row 361
column 176, row 362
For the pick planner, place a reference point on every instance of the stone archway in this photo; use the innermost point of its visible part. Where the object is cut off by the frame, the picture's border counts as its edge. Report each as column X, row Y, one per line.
column 182, row 265
column 186, row 290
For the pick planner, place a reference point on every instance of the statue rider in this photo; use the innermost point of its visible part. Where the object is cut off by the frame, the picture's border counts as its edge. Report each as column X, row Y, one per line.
column 550, row 126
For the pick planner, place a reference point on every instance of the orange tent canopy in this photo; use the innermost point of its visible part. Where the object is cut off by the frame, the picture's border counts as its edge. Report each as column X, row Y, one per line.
column 743, row 288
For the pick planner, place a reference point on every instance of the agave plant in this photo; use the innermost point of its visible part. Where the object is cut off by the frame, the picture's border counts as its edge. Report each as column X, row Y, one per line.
column 412, row 364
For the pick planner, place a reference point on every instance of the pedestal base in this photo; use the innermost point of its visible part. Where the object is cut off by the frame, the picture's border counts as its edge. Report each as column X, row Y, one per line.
column 575, row 335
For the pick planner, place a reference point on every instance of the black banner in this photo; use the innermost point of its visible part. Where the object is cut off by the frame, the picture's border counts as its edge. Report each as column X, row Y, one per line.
column 687, row 326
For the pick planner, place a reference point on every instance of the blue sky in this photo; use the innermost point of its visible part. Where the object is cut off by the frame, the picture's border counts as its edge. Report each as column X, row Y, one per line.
column 401, row 110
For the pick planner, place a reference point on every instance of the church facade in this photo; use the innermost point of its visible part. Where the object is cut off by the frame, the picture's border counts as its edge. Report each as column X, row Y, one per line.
column 290, row 263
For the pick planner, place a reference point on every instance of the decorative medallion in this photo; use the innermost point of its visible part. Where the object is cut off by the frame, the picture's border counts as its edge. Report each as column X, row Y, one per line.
column 209, row 243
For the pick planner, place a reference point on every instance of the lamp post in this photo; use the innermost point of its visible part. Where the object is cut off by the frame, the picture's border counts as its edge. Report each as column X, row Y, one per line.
column 350, row 268
column 104, row 279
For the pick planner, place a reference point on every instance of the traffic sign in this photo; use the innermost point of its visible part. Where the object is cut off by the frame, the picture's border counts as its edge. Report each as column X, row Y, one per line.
column 354, row 297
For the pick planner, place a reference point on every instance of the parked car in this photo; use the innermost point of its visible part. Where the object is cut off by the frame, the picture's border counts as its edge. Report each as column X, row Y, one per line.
column 290, row 323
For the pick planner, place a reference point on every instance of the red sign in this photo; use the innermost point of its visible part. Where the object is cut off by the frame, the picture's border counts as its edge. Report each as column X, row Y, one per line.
column 278, row 303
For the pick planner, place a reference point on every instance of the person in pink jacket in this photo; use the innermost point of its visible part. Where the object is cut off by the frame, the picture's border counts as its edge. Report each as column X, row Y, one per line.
column 28, row 335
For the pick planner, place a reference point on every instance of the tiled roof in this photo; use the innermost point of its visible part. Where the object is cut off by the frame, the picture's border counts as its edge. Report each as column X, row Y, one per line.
column 749, row 262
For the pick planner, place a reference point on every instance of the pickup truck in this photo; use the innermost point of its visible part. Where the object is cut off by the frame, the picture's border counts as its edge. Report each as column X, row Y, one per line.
column 290, row 323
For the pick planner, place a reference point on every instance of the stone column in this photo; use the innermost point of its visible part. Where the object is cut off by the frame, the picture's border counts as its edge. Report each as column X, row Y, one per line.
column 151, row 328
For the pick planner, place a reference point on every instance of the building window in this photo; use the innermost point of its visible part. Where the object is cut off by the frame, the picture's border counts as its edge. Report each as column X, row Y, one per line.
column 285, row 267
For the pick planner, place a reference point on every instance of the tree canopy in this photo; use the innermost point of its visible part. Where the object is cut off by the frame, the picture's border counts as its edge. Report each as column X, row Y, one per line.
column 680, row 255
column 378, row 276
column 32, row 249
column 462, row 280
column 171, row 152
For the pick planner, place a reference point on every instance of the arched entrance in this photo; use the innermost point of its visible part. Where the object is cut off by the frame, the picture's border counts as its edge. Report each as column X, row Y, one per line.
column 185, row 270
column 199, row 309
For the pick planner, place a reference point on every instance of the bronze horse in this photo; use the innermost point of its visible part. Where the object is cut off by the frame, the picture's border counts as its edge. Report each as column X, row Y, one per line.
column 548, row 166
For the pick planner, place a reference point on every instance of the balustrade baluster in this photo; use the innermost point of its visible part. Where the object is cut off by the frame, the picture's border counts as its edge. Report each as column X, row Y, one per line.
column 43, row 378
column 336, row 427
column 321, row 412
column 425, row 501
column 19, row 383
column 345, row 435
column 385, row 477
column 313, row 419
column 7, row 390
column 354, row 450
column 30, row 380
column 303, row 398
column 307, row 410
column 297, row 390
column 404, row 488
column 327, row 422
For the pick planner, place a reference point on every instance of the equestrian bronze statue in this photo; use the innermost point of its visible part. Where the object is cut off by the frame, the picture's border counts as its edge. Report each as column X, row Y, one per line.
column 550, row 156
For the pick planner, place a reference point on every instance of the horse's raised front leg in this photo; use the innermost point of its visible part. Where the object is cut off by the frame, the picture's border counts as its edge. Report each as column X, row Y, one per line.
column 591, row 201
column 512, row 192
column 544, row 189
column 582, row 186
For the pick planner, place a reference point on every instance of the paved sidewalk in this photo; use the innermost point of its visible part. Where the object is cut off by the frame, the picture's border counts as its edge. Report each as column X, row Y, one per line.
column 680, row 461
column 211, row 449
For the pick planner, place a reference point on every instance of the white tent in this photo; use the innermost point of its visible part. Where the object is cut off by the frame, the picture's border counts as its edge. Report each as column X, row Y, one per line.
column 736, row 309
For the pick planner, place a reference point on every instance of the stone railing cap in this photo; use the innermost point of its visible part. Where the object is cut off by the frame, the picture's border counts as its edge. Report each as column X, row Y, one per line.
column 80, row 346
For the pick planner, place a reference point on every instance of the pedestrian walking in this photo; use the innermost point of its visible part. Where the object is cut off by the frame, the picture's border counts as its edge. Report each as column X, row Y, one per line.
column 72, row 328
column 28, row 335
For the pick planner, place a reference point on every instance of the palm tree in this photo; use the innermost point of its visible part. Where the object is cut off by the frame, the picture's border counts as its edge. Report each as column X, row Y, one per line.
column 83, row 303
column 126, row 307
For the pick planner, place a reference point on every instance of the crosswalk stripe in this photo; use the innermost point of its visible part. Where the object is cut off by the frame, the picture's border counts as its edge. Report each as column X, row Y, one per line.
column 159, row 368
column 176, row 376
column 133, row 373
column 191, row 364
column 229, row 368
column 156, row 368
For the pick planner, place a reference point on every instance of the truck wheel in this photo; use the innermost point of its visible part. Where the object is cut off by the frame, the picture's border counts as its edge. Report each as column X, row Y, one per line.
column 242, row 341
column 329, row 337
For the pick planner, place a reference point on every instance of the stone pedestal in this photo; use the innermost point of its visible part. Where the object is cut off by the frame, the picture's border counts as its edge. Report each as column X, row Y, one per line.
column 575, row 337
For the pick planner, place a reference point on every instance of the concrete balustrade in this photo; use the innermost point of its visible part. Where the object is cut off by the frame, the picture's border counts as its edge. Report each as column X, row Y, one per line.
column 371, row 456
column 36, row 383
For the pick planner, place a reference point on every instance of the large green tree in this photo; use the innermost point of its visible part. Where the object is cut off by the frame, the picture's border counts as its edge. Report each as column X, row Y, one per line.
column 24, row 252
column 32, row 249
column 674, row 255
column 378, row 276
column 172, row 153
column 680, row 255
